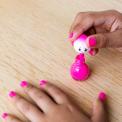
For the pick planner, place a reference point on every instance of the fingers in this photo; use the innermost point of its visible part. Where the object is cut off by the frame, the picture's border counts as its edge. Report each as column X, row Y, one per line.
column 84, row 21
column 79, row 27
column 102, row 22
column 9, row 118
column 44, row 102
column 46, row 99
column 56, row 93
column 26, row 107
column 102, row 40
column 99, row 111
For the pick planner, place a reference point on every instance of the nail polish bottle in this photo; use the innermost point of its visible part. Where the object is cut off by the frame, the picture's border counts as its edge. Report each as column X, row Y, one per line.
column 79, row 69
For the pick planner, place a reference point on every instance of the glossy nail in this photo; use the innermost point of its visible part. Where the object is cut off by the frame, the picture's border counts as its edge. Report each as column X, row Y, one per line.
column 12, row 94
column 42, row 82
column 70, row 35
column 102, row 96
column 92, row 42
column 92, row 52
column 24, row 84
column 4, row 115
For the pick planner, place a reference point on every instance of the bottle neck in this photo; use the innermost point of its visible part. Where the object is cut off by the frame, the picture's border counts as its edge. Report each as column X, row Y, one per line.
column 80, row 58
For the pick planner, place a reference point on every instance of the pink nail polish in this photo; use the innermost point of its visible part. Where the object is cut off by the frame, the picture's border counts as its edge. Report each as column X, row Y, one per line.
column 102, row 96
column 92, row 52
column 42, row 82
column 12, row 94
column 70, row 35
column 24, row 84
column 92, row 42
column 4, row 115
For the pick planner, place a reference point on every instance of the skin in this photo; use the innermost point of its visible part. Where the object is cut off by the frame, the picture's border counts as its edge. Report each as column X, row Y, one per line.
column 104, row 26
column 57, row 109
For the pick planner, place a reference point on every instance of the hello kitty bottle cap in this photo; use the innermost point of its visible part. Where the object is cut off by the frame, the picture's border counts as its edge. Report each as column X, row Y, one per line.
column 80, row 45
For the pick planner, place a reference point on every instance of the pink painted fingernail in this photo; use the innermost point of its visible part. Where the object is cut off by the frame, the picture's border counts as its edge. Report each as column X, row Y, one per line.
column 42, row 82
column 70, row 35
column 4, row 115
column 12, row 94
column 72, row 43
column 92, row 42
column 24, row 84
column 92, row 52
column 102, row 96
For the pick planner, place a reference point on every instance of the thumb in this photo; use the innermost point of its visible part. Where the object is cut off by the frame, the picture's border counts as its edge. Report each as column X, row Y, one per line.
column 99, row 112
column 103, row 40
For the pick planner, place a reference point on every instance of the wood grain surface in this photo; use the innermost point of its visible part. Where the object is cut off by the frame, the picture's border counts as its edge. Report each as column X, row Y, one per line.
column 33, row 46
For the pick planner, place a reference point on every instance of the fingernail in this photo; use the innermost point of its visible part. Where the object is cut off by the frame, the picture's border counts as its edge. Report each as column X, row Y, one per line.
column 70, row 35
column 42, row 82
column 4, row 115
column 12, row 94
column 24, row 84
column 92, row 42
column 92, row 52
column 102, row 96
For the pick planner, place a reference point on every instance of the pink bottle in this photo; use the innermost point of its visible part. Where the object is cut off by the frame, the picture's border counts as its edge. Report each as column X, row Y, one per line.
column 79, row 69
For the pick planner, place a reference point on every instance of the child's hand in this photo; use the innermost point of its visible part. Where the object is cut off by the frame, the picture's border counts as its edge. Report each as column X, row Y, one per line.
column 104, row 28
column 52, row 105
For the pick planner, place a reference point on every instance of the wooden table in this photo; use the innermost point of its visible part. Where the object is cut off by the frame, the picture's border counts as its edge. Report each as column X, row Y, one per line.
column 33, row 46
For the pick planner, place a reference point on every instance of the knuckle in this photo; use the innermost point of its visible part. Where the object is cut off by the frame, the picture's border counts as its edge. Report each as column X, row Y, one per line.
column 29, row 88
column 115, row 13
column 25, row 106
column 107, row 43
column 40, row 96
column 65, row 98
column 37, row 94
column 89, row 16
column 32, row 90
column 11, row 118
column 56, row 90
column 80, row 14
column 71, row 107
column 50, row 86
column 61, row 94
column 77, row 27
column 105, row 40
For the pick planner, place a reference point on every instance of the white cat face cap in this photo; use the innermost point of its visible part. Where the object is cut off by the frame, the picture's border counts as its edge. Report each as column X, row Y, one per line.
column 80, row 44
